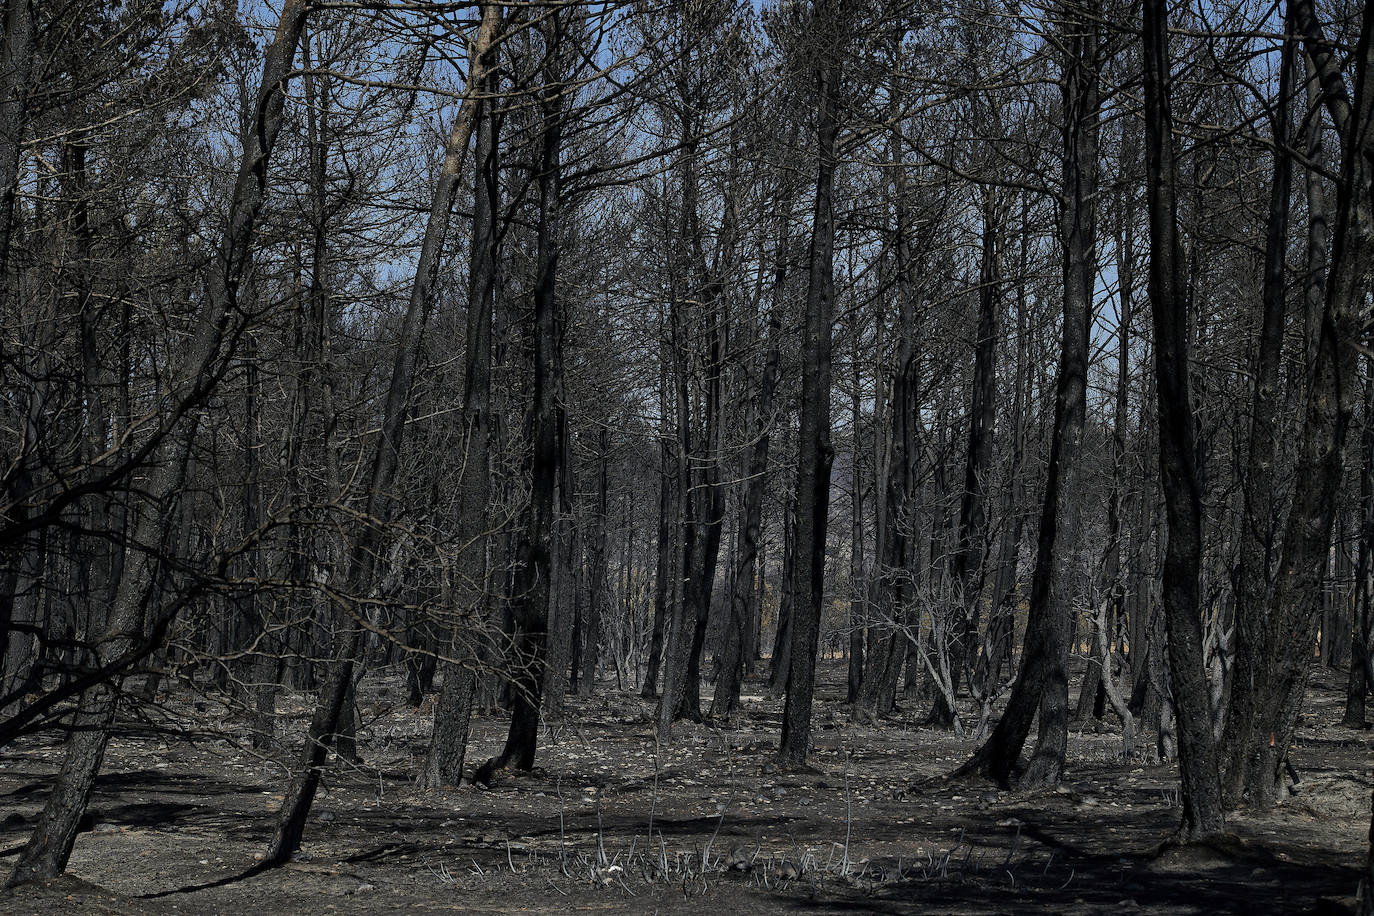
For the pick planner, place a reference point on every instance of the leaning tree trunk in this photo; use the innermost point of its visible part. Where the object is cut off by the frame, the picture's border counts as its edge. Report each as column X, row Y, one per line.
column 814, row 453
column 361, row 562
column 1179, row 479
column 50, row 845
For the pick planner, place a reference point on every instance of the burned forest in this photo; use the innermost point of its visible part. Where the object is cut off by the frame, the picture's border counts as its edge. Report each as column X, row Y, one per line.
column 695, row 456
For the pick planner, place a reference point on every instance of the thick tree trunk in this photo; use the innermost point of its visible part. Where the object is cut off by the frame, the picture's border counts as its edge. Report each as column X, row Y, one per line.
column 1202, row 813
column 1318, row 228
column 814, row 453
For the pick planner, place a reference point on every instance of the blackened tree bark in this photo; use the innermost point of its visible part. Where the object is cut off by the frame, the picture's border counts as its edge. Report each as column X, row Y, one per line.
column 1257, row 524
column 361, row 563
column 533, row 593
column 565, row 607
column 452, row 714
column 708, row 513
column 997, row 645
column 858, row 585
column 676, row 638
column 16, row 67
column 16, row 64
column 1318, row 225
column 1288, row 626
column 49, row 847
column 1202, row 813
column 814, row 453
column 667, row 535
column 780, row 664
column 1042, row 680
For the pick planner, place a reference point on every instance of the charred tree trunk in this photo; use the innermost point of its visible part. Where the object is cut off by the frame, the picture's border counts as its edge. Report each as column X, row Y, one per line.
column 362, row 560
column 667, row 536
column 780, row 663
column 708, row 516
column 16, row 63
column 452, row 713
column 1257, row 524
column 533, row 592
column 1042, row 681
column 1285, row 639
column 893, row 570
column 858, row 586
column 1361, row 678
column 596, row 570
column 814, row 453
column 1179, row 479
column 1097, row 679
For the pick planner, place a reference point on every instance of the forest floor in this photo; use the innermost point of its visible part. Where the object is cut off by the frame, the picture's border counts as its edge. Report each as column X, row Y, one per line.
column 609, row 823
